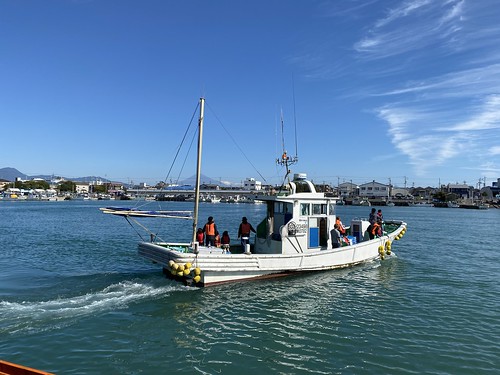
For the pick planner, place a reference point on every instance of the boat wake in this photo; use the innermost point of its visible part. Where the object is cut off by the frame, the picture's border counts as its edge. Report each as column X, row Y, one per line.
column 37, row 316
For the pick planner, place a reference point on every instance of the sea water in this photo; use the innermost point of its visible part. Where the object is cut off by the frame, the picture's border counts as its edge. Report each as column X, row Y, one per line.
column 75, row 298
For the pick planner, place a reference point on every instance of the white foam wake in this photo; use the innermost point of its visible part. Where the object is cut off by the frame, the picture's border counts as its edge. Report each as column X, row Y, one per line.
column 44, row 315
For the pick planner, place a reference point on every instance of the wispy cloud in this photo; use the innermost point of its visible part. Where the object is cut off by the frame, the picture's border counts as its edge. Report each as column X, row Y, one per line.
column 495, row 150
column 431, row 137
column 449, row 118
column 463, row 83
column 411, row 26
column 403, row 10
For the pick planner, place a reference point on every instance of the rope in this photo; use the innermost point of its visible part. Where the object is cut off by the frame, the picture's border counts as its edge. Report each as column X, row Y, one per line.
column 236, row 144
column 182, row 142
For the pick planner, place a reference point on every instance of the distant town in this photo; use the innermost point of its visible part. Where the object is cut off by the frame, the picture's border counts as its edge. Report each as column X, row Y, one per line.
column 348, row 193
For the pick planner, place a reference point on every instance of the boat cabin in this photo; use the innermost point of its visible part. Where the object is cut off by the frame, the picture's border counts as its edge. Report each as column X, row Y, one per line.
column 298, row 220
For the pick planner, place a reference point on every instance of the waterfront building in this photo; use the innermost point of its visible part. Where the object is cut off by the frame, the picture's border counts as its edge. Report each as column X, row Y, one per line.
column 252, row 185
column 375, row 190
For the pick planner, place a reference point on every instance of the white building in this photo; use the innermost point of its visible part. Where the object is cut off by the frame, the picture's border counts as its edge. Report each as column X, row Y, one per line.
column 252, row 184
column 348, row 189
column 374, row 190
column 81, row 188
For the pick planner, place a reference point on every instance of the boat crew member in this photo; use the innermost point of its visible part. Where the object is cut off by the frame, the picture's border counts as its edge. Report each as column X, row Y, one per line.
column 379, row 215
column 373, row 216
column 335, row 236
column 225, row 242
column 341, row 227
column 381, row 218
column 244, row 232
column 375, row 230
column 210, row 230
column 199, row 236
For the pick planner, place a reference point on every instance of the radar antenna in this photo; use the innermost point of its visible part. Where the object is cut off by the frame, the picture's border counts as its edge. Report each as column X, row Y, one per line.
column 285, row 160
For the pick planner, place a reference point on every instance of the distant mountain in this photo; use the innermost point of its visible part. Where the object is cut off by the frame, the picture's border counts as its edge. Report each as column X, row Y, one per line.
column 203, row 180
column 10, row 174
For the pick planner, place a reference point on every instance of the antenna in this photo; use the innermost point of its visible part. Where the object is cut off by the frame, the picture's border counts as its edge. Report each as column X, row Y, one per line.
column 285, row 160
column 295, row 117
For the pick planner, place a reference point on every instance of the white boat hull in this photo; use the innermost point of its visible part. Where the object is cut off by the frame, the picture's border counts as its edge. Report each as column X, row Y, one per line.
column 217, row 267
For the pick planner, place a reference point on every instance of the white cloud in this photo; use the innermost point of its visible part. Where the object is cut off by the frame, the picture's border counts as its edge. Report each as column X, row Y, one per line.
column 495, row 150
column 412, row 26
column 488, row 117
column 404, row 10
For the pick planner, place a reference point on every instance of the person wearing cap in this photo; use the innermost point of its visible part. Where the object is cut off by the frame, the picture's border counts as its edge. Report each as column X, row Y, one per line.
column 210, row 230
column 244, row 232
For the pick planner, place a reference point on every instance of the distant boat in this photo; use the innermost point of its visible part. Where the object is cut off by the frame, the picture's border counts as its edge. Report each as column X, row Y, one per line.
column 452, row 204
column 294, row 236
column 212, row 199
column 361, row 202
column 390, row 204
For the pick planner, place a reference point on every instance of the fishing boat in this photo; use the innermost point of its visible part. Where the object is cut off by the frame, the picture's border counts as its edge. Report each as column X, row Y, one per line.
column 294, row 236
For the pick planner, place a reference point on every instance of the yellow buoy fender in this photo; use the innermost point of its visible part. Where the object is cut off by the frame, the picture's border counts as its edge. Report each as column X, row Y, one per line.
column 380, row 249
column 188, row 265
column 197, row 271
column 197, row 278
column 171, row 263
column 181, row 267
column 186, row 271
column 175, row 266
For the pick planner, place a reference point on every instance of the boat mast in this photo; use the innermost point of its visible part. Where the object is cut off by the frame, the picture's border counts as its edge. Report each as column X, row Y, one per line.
column 198, row 168
column 286, row 160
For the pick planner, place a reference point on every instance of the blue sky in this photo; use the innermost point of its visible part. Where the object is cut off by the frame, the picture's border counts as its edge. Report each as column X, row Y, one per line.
column 400, row 91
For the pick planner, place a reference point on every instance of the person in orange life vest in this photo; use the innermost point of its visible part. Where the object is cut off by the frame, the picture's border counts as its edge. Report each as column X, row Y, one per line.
column 244, row 232
column 376, row 230
column 225, row 241
column 341, row 227
column 381, row 217
column 210, row 230
column 199, row 236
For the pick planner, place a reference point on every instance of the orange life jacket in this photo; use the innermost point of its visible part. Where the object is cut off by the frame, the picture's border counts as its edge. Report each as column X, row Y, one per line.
column 341, row 227
column 210, row 229
column 375, row 229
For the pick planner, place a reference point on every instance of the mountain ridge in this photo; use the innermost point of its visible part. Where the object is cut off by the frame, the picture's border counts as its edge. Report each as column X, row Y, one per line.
column 10, row 174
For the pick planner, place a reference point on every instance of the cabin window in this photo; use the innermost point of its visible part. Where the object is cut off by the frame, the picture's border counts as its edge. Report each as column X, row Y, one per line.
column 331, row 209
column 302, row 187
column 304, row 209
column 319, row 209
column 283, row 208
